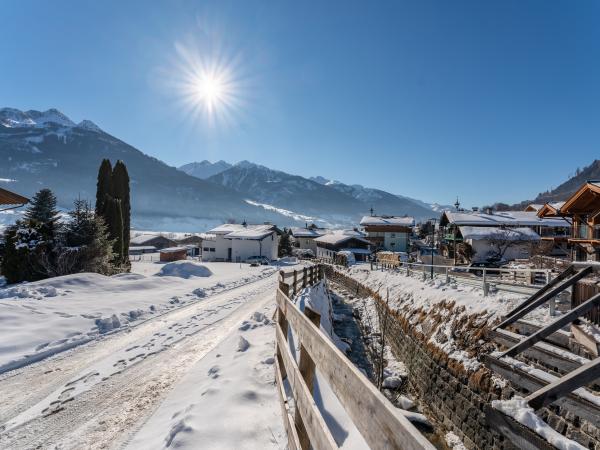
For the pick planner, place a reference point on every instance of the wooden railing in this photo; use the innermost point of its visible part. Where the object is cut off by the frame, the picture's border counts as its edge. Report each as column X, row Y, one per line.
column 379, row 422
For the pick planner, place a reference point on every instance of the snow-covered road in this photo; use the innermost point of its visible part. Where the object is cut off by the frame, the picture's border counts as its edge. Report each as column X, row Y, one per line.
column 100, row 394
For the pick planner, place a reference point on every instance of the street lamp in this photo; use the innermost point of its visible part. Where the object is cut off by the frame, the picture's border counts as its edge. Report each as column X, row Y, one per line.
column 433, row 221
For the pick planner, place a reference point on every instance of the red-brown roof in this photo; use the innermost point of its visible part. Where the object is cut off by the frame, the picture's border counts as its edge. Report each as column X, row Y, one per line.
column 10, row 198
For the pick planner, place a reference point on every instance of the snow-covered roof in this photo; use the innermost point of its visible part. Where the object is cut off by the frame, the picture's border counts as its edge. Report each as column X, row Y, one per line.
column 307, row 232
column 387, row 221
column 339, row 237
column 251, row 232
column 496, row 233
column 143, row 238
column 173, row 250
column 361, row 251
column 141, row 247
column 506, row 218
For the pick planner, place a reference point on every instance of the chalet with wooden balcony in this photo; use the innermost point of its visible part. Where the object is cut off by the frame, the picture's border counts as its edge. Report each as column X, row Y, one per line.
column 583, row 208
column 10, row 200
column 389, row 233
column 555, row 229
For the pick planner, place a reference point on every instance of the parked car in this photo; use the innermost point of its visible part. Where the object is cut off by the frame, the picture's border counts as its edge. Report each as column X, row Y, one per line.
column 258, row 260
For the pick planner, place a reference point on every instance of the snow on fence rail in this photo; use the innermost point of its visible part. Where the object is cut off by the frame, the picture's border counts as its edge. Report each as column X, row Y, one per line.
column 378, row 421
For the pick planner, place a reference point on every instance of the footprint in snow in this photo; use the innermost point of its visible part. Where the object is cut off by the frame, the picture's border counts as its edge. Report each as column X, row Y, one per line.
column 243, row 344
column 213, row 372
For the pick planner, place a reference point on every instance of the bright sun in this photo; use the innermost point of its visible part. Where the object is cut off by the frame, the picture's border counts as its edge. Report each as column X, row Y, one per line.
column 210, row 85
column 212, row 90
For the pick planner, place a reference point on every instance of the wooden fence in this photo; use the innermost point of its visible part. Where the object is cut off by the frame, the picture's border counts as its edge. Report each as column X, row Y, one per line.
column 379, row 422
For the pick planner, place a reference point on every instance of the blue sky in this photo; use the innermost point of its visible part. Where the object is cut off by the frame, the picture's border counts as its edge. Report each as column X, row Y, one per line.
column 487, row 101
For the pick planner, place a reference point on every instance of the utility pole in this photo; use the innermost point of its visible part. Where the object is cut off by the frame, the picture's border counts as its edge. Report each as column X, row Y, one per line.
column 433, row 221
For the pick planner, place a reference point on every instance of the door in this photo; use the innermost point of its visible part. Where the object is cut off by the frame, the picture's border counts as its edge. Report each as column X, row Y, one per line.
column 229, row 254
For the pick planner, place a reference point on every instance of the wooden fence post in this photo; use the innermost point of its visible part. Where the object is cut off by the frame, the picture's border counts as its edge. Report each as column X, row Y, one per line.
column 304, row 278
column 294, row 288
column 307, row 370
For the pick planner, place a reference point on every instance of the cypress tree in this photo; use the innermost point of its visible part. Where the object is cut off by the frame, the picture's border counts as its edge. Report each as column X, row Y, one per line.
column 103, row 186
column 114, row 224
column 120, row 190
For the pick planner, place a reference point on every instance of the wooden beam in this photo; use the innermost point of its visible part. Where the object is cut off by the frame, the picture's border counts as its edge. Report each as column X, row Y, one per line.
column 316, row 428
column 554, row 326
column 307, row 369
column 524, row 381
column 536, row 300
column 373, row 415
column 549, row 354
column 565, row 385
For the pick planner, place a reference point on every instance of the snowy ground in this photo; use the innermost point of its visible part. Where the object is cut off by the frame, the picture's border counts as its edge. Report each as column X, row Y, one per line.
column 178, row 357
column 45, row 317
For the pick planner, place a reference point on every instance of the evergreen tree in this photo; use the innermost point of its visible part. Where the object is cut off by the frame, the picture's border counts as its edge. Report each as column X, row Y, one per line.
column 22, row 252
column 114, row 224
column 42, row 215
column 285, row 244
column 86, row 244
column 103, row 186
column 120, row 190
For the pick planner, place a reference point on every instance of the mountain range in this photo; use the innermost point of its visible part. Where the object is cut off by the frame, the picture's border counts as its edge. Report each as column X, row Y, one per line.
column 48, row 149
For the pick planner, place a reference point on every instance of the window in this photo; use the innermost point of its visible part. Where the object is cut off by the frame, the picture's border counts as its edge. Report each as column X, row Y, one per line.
column 393, row 235
column 205, row 249
column 212, row 249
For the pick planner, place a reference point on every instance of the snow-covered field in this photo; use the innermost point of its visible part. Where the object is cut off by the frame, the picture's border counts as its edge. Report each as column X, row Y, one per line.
column 155, row 345
column 41, row 318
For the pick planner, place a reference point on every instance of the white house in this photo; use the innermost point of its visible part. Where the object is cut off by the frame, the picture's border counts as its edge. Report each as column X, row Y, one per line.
column 238, row 242
column 499, row 243
column 304, row 238
column 330, row 244
column 389, row 233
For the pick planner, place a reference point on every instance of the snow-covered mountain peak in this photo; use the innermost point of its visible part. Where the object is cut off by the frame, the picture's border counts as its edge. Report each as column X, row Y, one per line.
column 89, row 125
column 15, row 118
column 205, row 168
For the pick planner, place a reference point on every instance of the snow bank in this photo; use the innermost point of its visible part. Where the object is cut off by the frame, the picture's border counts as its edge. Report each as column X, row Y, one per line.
column 184, row 269
column 45, row 317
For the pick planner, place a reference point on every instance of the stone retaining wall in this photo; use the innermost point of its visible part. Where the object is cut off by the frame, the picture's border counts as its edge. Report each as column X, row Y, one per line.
column 456, row 398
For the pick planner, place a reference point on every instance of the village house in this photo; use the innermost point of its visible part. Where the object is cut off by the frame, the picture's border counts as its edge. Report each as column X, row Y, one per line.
column 304, row 238
column 238, row 242
column 388, row 233
column 498, row 244
column 144, row 242
column 583, row 208
column 351, row 241
column 544, row 227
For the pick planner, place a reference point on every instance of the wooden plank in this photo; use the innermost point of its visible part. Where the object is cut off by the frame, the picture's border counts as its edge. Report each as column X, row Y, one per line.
column 534, row 301
column 565, row 385
column 524, row 328
column 316, row 428
column 546, row 353
column 529, row 383
column 585, row 339
column 307, row 369
column 518, row 435
column 379, row 422
column 288, row 421
column 554, row 326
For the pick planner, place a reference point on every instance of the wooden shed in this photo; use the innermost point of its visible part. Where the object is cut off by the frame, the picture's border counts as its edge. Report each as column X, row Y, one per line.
column 173, row 254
